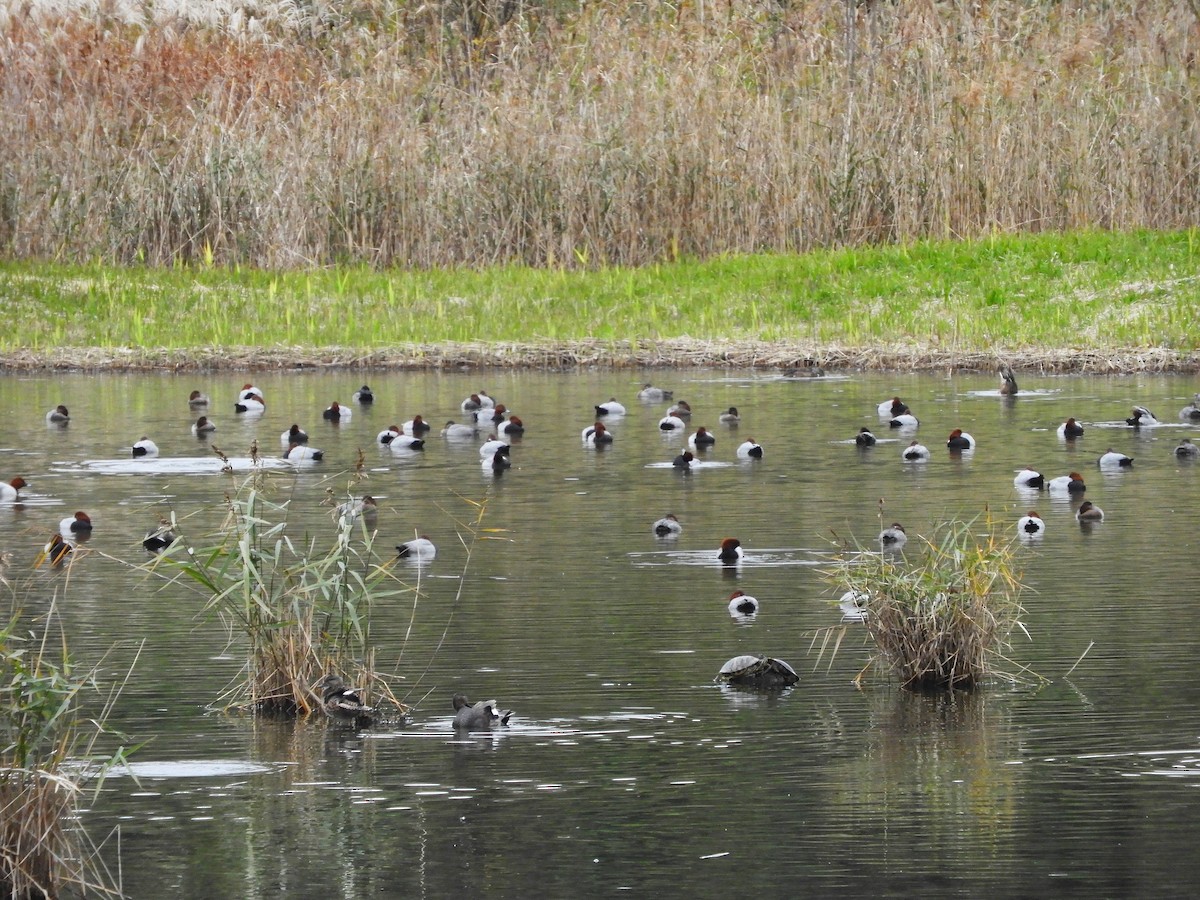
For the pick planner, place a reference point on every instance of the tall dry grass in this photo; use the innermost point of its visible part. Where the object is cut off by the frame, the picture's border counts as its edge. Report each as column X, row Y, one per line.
column 481, row 131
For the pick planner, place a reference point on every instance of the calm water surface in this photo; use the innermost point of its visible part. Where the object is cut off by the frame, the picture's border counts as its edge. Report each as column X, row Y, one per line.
column 626, row 768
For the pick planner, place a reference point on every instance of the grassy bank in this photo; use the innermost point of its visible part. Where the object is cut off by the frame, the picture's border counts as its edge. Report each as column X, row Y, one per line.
column 579, row 135
column 1102, row 301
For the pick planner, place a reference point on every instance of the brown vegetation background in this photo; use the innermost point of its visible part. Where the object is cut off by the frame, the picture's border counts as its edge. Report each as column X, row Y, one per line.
column 473, row 132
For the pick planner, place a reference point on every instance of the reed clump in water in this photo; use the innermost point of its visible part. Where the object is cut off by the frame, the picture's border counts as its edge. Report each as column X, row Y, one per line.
column 943, row 620
column 44, row 743
column 580, row 135
column 303, row 606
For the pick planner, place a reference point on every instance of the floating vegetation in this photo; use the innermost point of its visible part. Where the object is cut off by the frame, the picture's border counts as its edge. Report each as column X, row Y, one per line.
column 943, row 620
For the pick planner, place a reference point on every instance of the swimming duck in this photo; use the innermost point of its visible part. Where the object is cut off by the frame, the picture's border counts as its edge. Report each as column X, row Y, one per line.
column 335, row 412
column 1141, row 416
column 160, row 538
column 456, row 431
column 671, row 423
column 1089, row 512
column 701, row 439
column 683, row 460
column 420, row 548
column 58, row 415
column 476, row 402
column 1008, row 382
column 610, row 408
column 730, row 417
column 9, row 492
column 595, row 435
column 58, row 550
column 853, row 605
column 889, row 409
column 249, row 390
column 1069, row 430
column 960, row 440
column 498, row 461
column 864, row 438
column 388, row 434
column 742, row 604
column 748, row 449
column 489, row 447
column 495, row 414
column 904, row 420
column 363, row 395
column 364, row 507
column 197, row 400
column 731, row 552
column 514, row 425
column 1067, row 484
column 668, row 526
column 757, row 671
column 203, row 427
column 915, row 452
column 145, row 448
column 404, row 442
column 480, row 716
column 416, row 427
column 680, row 410
column 1031, row 525
column 1029, row 478
column 1192, row 411
column 893, row 537
column 1111, row 459
column 302, row 453
column 344, row 703
column 78, row 525
column 651, row 394
column 1187, row 449
column 250, row 403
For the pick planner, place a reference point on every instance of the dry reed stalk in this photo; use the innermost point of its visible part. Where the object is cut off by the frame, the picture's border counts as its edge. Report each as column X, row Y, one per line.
column 613, row 134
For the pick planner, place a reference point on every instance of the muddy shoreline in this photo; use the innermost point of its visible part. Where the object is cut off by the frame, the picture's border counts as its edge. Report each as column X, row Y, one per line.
column 675, row 354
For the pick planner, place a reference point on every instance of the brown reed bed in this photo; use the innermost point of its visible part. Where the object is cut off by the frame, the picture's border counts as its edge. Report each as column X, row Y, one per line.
column 573, row 355
column 612, row 133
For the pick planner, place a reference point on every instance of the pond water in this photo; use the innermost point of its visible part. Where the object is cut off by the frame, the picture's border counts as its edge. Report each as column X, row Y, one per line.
column 626, row 768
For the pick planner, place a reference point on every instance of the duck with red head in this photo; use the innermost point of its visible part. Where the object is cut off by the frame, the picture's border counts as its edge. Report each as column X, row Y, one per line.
column 58, row 550
column 1031, row 525
column 960, row 440
column 731, row 552
column 701, row 440
column 76, row 526
column 9, row 493
column 1089, row 513
column 1069, row 430
column 683, row 461
column 889, row 409
column 336, row 413
column 514, row 426
column 251, row 404
column 749, row 449
column 1067, row 484
column 596, row 435
column 197, row 400
column 58, row 416
column 416, row 427
column 742, row 604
